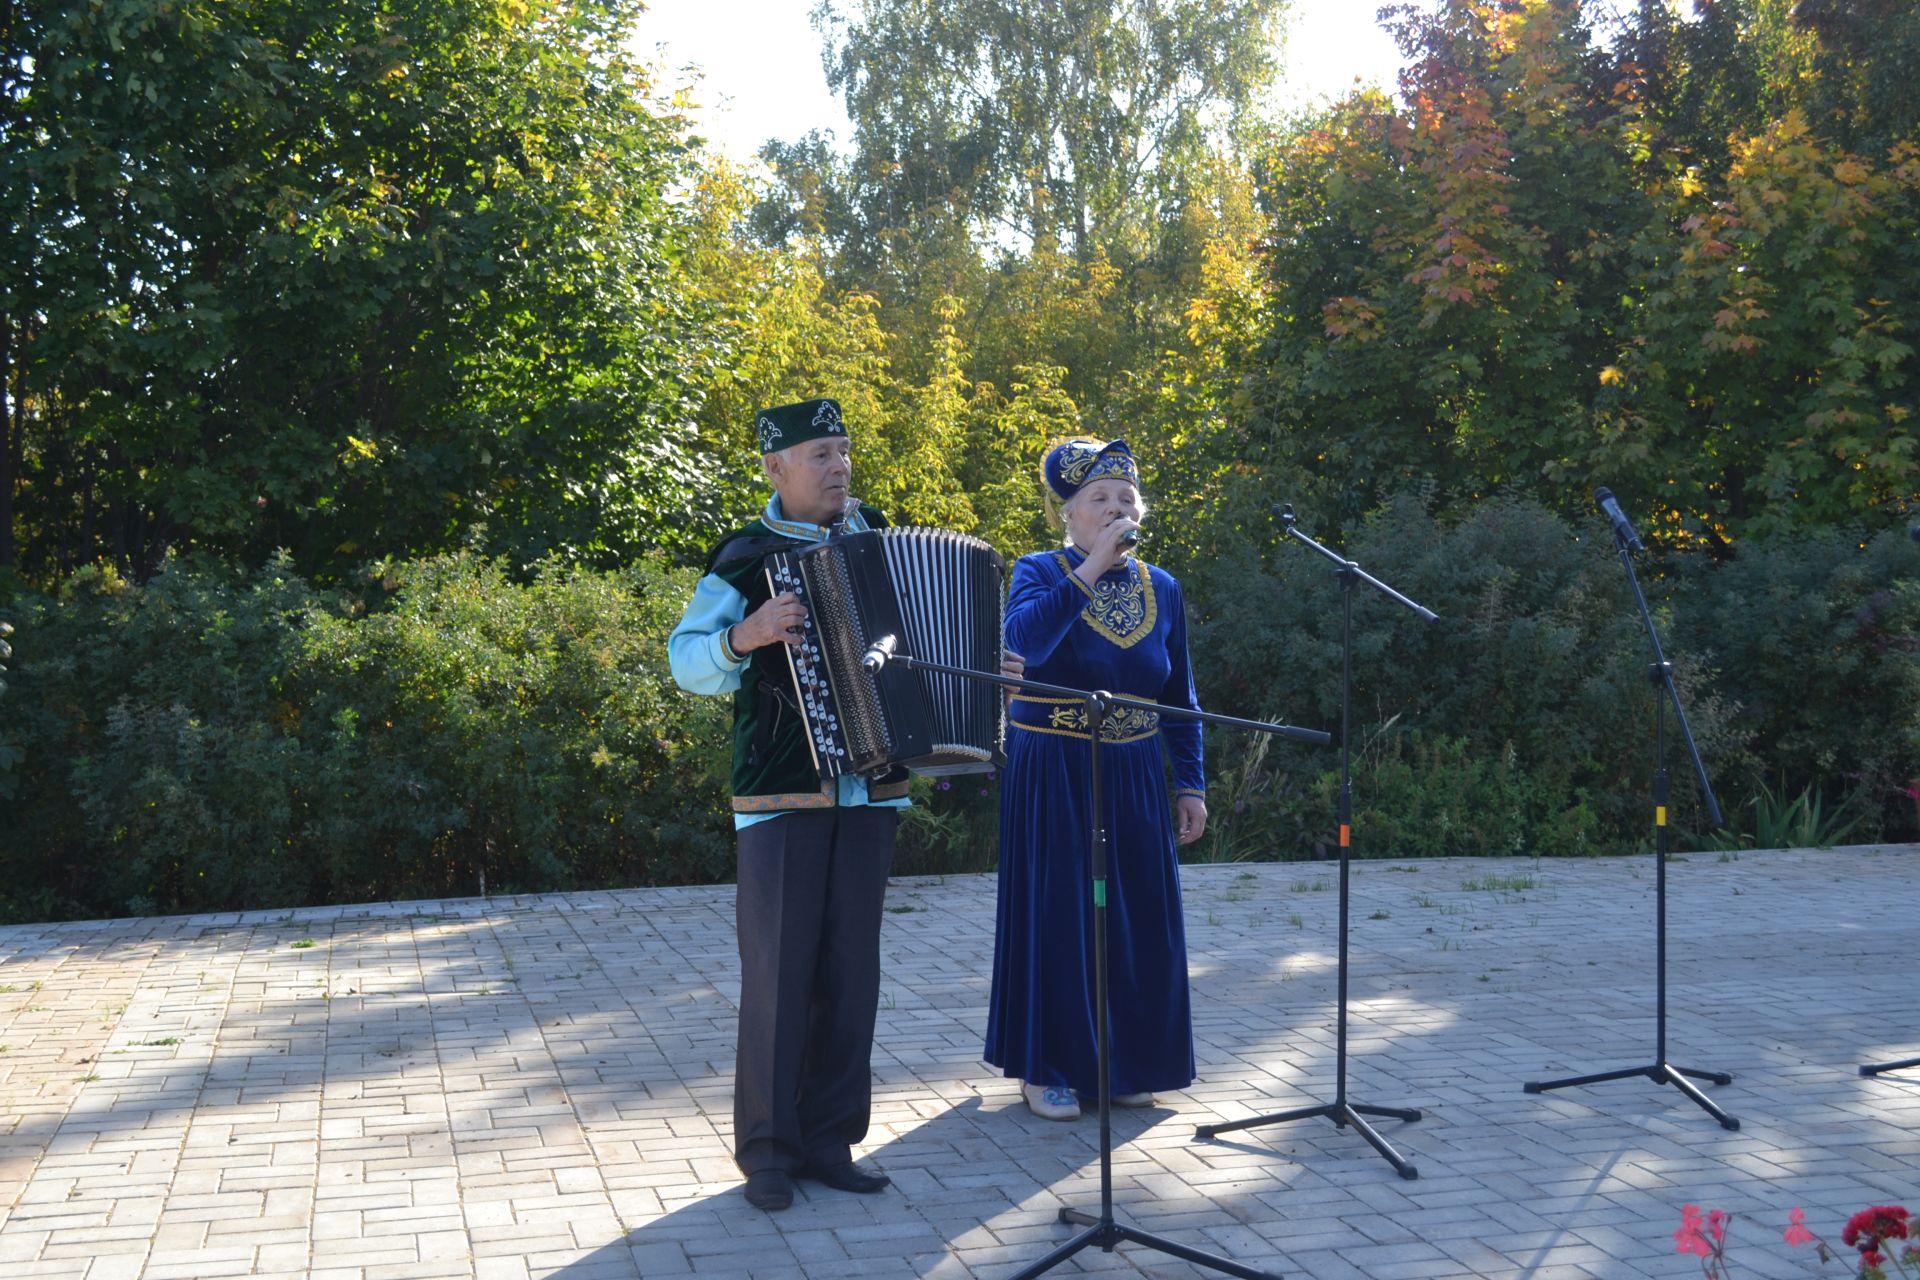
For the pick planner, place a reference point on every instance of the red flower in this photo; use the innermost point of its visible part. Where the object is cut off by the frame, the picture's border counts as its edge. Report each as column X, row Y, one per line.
column 1717, row 1225
column 1867, row 1228
column 1797, row 1232
column 1688, row 1237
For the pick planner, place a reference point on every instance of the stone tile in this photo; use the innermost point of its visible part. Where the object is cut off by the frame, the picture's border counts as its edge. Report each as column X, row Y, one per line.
column 520, row 1087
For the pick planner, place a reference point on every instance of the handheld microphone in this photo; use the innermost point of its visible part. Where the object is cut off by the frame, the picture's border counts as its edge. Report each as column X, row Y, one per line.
column 878, row 652
column 1622, row 527
column 1131, row 538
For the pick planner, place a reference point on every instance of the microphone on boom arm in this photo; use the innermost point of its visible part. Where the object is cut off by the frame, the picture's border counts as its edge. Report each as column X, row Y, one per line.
column 878, row 652
column 1622, row 527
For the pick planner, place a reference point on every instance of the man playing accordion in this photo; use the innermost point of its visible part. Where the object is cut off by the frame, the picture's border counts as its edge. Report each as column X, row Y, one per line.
column 813, row 856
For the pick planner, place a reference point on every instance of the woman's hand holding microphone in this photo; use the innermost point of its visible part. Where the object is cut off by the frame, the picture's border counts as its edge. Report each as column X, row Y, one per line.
column 1110, row 546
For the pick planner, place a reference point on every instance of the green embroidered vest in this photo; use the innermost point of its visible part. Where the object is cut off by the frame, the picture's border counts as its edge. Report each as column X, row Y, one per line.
column 773, row 770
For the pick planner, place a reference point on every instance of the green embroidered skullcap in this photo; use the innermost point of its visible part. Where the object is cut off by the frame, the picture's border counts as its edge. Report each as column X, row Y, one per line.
column 790, row 424
column 1071, row 465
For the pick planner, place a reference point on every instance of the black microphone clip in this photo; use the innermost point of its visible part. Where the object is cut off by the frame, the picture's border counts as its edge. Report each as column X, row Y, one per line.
column 1622, row 527
column 1283, row 512
column 878, row 652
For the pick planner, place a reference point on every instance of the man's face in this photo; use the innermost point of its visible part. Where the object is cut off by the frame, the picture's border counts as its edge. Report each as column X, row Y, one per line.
column 813, row 478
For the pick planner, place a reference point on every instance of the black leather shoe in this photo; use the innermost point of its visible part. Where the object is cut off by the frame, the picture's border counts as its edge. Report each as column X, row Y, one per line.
column 845, row 1176
column 770, row 1189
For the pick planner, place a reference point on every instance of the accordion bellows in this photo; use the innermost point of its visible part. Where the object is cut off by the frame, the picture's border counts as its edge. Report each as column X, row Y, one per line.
column 941, row 595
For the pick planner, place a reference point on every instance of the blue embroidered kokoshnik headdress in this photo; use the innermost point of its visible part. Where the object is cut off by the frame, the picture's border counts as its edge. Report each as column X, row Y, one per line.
column 1072, row 465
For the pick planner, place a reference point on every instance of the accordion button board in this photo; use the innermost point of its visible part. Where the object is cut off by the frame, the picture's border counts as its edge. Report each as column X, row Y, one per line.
column 940, row 594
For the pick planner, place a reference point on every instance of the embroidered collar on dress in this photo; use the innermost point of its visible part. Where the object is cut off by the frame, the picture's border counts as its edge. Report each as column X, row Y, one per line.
column 1122, row 608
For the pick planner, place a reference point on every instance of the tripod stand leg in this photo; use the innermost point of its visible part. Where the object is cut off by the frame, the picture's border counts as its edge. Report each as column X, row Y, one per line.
column 1875, row 1068
column 1278, row 1117
column 1342, row 1114
column 1715, row 1077
column 1098, row 1234
column 1195, row 1256
column 1380, row 1144
column 1541, row 1086
column 1667, row 1075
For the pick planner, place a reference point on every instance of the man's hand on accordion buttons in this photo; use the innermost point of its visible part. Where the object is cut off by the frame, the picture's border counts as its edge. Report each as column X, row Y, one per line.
column 1013, row 666
column 775, row 622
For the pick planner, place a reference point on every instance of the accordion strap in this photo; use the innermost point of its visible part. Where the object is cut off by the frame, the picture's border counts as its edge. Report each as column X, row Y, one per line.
column 746, row 547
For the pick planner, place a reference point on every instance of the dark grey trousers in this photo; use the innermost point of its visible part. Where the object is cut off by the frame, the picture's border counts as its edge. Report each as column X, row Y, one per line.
column 812, row 886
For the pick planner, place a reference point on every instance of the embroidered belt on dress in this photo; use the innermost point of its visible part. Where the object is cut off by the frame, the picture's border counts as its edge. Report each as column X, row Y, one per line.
column 1068, row 716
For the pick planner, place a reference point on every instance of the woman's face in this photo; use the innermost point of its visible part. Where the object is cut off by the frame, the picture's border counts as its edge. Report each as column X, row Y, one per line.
column 1097, row 506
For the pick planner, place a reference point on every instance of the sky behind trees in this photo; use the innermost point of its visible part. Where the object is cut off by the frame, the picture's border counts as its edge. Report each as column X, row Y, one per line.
column 760, row 74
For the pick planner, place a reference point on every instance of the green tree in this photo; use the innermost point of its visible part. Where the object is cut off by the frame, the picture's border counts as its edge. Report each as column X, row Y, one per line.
column 1522, row 280
column 1768, row 380
column 350, row 281
column 1069, row 119
column 1445, row 274
column 1034, row 164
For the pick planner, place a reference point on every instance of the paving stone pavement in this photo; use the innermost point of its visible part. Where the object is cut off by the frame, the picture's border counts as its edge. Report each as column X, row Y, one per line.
column 540, row 1086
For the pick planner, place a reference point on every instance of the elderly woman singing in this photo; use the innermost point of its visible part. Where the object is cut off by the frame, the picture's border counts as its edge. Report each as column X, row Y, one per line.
column 1089, row 615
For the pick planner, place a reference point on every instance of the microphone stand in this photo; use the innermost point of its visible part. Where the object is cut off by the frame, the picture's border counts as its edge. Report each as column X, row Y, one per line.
column 1340, row 1110
column 1102, row 1230
column 1659, row 1071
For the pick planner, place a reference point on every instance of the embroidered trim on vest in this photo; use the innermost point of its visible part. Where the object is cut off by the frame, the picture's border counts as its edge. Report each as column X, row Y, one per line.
column 886, row 790
column 1123, row 611
column 821, row 799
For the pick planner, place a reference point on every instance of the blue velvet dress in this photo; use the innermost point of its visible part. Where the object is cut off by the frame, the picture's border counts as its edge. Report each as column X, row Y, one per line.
column 1127, row 637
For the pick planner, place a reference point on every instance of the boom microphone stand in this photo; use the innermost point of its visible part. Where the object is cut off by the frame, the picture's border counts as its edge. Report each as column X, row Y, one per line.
column 1661, row 674
column 1341, row 1111
column 1102, row 1230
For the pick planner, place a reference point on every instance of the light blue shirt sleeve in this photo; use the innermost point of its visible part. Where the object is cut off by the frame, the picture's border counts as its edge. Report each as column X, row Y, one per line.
column 701, row 662
column 697, row 650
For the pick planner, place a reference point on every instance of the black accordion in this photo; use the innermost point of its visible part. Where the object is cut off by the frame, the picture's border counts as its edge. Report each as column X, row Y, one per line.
column 941, row 595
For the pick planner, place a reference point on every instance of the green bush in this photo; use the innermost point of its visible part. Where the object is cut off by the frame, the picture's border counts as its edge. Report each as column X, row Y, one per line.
column 952, row 827
column 1531, row 689
column 213, row 741
column 217, row 740
column 1433, row 796
column 1820, row 636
